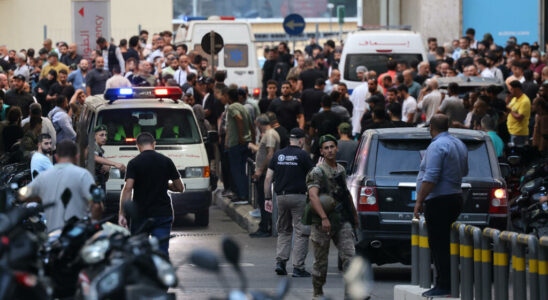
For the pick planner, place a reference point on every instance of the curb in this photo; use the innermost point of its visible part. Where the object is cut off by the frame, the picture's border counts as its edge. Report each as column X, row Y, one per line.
column 238, row 213
column 412, row 292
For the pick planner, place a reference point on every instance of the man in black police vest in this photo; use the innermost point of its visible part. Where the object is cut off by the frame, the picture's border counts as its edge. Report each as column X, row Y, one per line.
column 288, row 168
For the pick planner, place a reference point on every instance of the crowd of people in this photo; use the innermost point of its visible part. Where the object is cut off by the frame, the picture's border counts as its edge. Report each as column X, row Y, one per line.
column 303, row 107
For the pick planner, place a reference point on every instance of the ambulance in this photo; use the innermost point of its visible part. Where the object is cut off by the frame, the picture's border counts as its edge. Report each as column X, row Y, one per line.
column 126, row 112
column 238, row 56
column 373, row 47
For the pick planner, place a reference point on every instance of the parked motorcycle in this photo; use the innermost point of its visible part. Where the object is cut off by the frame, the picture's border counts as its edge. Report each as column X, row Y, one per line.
column 121, row 266
column 20, row 266
column 526, row 214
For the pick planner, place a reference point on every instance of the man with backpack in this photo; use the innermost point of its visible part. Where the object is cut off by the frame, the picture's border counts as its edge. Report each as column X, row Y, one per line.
column 61, row 120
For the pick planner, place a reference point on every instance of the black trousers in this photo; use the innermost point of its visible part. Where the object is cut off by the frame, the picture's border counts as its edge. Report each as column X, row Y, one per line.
column 440, row 212
column 266, row 218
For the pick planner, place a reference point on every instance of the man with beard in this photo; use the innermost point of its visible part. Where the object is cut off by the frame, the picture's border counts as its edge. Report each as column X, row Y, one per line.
column 78, row 77
column 103, row 165
column 71, row 58
column 112, row 55
column 41, row 161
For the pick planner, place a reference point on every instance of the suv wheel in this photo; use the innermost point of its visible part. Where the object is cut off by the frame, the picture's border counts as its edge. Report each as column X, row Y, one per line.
column 202, row 217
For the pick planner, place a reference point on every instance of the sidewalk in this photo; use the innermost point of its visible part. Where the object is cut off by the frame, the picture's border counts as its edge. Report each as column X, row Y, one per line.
column 239, row 213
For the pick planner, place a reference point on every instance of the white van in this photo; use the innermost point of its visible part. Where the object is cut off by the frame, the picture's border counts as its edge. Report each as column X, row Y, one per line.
column 238, row 56
column 129, row 111
column 373, row 48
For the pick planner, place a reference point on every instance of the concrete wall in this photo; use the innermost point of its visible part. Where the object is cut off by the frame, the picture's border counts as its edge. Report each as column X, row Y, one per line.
column 23, row 20
column 440, row 18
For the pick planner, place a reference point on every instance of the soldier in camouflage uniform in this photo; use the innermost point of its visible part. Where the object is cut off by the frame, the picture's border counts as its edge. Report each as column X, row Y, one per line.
column 327, row 226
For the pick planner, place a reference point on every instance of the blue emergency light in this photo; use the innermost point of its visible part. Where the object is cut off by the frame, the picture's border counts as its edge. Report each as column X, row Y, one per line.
column 169, row 92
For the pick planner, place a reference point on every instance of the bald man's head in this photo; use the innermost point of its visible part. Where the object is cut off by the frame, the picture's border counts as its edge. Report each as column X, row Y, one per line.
column 439, row 123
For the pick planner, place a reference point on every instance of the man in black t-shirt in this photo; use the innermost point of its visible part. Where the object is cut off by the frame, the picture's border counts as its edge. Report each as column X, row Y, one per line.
column 290, row 112
column 312, row 99
column 307, row 78
column 148, row 175
column 324, row 122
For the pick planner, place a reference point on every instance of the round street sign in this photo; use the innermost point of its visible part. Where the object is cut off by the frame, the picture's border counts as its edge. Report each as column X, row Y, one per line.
column 206, row 43
column 294, row 24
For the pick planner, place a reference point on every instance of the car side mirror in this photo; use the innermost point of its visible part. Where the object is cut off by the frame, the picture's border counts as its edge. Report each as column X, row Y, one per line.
column 212, row 136
column 504, row 169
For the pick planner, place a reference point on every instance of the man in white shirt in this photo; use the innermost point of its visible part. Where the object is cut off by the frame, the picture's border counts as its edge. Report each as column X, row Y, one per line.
column 485, row 72
column 40, row 161
column 409, row 107
column 184, row 69
column 360, row 93
column 430, row 99
column 158, row 43
column 22, row 67
column 117, row 80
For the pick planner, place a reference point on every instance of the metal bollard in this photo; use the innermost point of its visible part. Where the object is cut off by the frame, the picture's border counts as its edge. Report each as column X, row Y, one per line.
column 486, row 265
column 415, row 251
column 532, row 244
column 500, row 262
column 454, row 251
column 466, row 264
column 518, row 267
column 478, row 278
column 425, row 271
column 543, row 267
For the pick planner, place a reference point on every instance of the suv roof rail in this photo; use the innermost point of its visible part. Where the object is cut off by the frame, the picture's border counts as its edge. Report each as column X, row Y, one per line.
column 378, row 27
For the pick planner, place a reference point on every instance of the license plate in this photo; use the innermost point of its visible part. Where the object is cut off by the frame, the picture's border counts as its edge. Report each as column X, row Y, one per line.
column 413, row 195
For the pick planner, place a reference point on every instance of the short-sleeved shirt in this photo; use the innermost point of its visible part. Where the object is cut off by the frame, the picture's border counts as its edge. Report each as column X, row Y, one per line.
column 96, row 80
column 287, row 112
column 233, row 110
column 326, row 122
column 311, row 100
column 270, row 139
column 522, row 106
column 346, row 151
column 454, row 109
column 39, row 163
column 497, row 143
column 409, row 107
column 51, row 184
column 290, row 166
column 152, row 172
column 309, row 77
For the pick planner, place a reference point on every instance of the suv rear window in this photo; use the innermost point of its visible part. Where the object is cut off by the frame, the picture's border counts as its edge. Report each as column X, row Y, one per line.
column 376, row 62
column 402, row 158
column 168, row 126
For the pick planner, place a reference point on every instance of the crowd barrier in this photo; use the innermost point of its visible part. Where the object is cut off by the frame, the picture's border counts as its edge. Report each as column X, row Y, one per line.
column 482, row 262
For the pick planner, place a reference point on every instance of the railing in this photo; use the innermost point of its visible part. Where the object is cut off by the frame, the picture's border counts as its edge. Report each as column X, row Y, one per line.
column 481, row 260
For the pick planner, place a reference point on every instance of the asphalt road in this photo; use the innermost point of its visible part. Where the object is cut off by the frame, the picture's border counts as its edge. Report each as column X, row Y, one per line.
column 258, row 260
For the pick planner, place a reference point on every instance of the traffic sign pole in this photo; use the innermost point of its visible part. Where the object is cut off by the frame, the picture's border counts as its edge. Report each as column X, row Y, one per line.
column 212, row 44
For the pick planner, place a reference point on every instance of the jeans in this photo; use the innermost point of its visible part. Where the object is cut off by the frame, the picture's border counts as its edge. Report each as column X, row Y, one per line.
column 519, row 140
column 161, row 228
column 237, row 156
column 266, row 218
column 440, row 212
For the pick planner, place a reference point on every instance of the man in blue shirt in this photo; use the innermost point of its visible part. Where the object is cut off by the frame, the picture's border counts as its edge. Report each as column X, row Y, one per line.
column 439, row 189
column 78, row 77
column 40, row 161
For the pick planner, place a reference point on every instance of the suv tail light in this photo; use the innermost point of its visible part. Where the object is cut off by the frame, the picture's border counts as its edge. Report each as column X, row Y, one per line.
column 368, row 199
column 499, row 201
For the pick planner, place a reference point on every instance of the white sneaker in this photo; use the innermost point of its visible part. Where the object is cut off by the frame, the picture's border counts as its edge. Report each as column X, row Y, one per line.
column 256, row 213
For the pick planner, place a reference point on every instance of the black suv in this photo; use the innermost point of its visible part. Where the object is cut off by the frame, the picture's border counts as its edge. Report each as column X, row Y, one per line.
column 383, row 180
